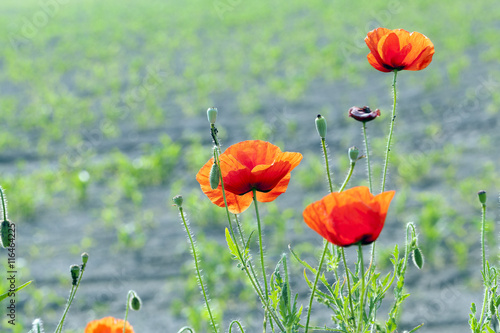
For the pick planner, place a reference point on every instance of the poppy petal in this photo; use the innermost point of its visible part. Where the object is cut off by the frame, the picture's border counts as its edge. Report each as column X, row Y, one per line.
column 236, row 203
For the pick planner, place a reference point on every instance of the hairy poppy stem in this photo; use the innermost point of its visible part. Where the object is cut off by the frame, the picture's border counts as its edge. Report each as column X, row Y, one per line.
column 483, row 254
column 126, row 310
column 349, row 174
column 327, row 166
column 367, row 153
column 362, row 300
column 196, row 264
column 4, row 206
column 313, row 291
column 263, row 266
column 393, row 118
column 72, row 294
column 349, row 286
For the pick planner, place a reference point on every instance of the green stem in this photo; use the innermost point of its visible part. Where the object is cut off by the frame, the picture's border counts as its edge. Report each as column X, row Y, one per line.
column 262, row 264
column 362, row 301
column 349, row 291
column 389, row 139
column 349, row 174
column 70, row 300
column 323, row 144
column 314, row 286
column 196, row 263
column 367, row 153
column 4, row 206
column 483, row 253
column 126, row 311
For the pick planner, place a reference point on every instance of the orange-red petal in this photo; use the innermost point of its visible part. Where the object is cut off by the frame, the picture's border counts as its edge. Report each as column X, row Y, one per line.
column 349, row 217
column 108, row 325
column 398, row 49
column 250, row 165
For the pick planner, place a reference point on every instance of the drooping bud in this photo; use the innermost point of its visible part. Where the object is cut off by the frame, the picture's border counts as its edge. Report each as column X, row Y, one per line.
column 321, row 126
column 212, row 115
column 418, row 258
column 363, row 114
column 178, row 200
column 482, row 197
column 214, row 176
column 353, row 154
column 135, row 302
column 7, row 233
column 37, row 326
column 75, row 273
column 85, row 257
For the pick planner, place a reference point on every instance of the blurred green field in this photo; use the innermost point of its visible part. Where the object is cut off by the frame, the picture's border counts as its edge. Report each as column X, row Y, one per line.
column 103, row 120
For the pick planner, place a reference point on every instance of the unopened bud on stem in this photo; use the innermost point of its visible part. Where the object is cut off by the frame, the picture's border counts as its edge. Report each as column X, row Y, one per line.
column 482, row 197
column 212, row 115
column 214, row 176
column 321, row 126
column 7, row 233
column 353, row 154
column 178, row 200
column 75, row 273
column 135, row 302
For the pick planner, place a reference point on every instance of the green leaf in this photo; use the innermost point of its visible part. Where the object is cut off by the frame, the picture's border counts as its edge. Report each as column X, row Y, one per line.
column 4, row 296
column 230, row 244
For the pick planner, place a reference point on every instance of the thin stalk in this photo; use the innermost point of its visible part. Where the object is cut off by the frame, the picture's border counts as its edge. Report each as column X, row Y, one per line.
column 367, row 153
column 259, row 230
column 314, row 286
column 483, row 253
column 126, row 311
column 198, row 273
column 323, row 144
column 362, row 301
column 389, row 139
column 349, row 291
column 70, row 300
column 4, row 206
column 349, row 174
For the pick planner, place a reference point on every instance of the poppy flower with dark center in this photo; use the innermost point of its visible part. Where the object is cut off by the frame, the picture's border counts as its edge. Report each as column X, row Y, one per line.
column 363, row 114
column 246, row 166
column 108, row 325
column 349, row 217
column 395, row 50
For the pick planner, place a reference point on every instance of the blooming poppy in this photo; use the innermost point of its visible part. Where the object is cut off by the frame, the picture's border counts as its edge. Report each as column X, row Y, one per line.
column 363, row 114
column 246, row 166
column 108, row 325
column 395, row 50
column 349, row 217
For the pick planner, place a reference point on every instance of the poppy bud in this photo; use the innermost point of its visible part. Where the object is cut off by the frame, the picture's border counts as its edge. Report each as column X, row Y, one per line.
column 418, row 258
column 135, row 302
column 177, row 200
column 37, row 326
column 7, row 233
column 75, row 273
column 212, row 115
column 363, row 114
column 321, row 126
column 214, row 176
column 482, row 197
column 353, row 154
column 85, row 257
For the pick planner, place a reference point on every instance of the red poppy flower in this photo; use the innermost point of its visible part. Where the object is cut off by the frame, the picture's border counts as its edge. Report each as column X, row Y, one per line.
column 349, row 217
column 249, row 165
column 398, row 49
column 108, row 325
